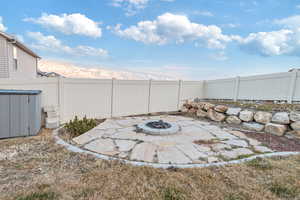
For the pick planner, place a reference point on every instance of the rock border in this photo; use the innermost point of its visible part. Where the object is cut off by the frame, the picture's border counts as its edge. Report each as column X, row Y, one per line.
column 76, row 149
column 276, row 123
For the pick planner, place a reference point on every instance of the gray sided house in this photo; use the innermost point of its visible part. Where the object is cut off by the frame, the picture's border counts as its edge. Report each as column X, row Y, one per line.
column 16, row 60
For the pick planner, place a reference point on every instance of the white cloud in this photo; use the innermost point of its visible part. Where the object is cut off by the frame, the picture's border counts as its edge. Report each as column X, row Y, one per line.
column 131, row 7
column 2, row 27
column 203, row 13
column 298, row 6
column 52, row 44
column 75, row 23
column 292, row 22
column 168, row 0
column 169, row 28
column 285, row 41
column 269, row 43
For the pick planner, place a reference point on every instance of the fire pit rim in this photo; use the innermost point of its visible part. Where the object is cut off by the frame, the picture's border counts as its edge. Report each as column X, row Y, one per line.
column 142, row 127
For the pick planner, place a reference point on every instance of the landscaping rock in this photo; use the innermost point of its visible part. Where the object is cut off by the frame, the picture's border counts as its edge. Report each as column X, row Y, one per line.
column 235, row 153
column 296, row 126
column 192, row 110
column 246, row 116
column 208, row 106
column 275, row 129
column 262, row 149
column 263, row 117
column 281, row 118
column 253, row 126
column 295, row 116
column 143, row 152
column 233, row 111
column 215, row 116
column 201, row 113
column 184, row 109
column 233, row 120
column 172, row 155
column 221, row 108
column 238, row 143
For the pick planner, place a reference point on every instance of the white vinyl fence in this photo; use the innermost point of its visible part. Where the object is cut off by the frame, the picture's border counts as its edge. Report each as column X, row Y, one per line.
column 109, row 98
column 279, row 86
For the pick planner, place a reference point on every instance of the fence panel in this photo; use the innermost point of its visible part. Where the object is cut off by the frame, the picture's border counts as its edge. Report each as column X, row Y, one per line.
column 191, row 90
column 47, row 85
column 88, row 97
column 265, row 87
column 297, row 88
column 164, row 96
column 220, row 89
column 130, row 97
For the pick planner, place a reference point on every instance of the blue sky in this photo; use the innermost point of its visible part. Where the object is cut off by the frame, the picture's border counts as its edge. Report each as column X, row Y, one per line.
column 194, row 39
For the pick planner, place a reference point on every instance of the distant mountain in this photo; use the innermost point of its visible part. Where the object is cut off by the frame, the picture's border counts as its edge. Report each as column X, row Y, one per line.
column 73, row 71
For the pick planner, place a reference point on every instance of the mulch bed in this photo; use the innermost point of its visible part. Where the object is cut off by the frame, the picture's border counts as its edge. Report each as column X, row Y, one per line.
column 276, row 142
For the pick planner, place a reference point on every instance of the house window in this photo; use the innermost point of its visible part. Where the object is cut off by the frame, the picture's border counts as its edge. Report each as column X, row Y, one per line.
column 15, row 58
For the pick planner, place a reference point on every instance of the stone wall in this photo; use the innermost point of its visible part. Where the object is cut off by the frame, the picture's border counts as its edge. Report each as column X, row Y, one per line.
column 278, row 123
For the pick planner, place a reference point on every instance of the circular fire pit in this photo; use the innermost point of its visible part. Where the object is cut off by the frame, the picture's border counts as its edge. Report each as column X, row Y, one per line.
column 158, row 127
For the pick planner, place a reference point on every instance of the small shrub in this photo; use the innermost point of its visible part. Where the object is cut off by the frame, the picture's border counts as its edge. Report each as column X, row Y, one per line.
column 260, row 163
column 39, row 196
column 284, row 190
column 171, row 193
column 233, row 196
column 77, row 126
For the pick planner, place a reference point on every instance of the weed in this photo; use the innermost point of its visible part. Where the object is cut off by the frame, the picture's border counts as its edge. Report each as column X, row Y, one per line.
column 284, row 190
column 260, row 163
column 39, row 196
column 172, row 193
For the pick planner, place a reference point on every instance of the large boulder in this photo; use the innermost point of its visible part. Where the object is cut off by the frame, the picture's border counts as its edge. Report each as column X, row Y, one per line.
column 295, row 116
column 246, row 115
column 221, row 108
column 184, row 109
column 281, row 118
column 275, row 129
column 215, row 116
column 253, row 126
column 201, row 113
column 296, row 126
column 263, row 117
column 233, row 111
column 233, row 120
column 207, row 106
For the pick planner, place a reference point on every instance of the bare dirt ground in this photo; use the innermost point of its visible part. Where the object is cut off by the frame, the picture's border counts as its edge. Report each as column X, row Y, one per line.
column 36, row 168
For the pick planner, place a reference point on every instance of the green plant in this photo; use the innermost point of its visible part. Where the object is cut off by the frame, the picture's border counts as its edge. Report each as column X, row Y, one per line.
column 77, row 126
column 39, row 196
column 260, row 163
column 284, row 190
column 171, row 193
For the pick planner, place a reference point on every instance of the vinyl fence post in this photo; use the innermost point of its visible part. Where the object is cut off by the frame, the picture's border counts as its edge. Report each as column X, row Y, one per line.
column 236, row 88
column 179, row 94
column 292, row 86
column 149, row 95
column 60, row 89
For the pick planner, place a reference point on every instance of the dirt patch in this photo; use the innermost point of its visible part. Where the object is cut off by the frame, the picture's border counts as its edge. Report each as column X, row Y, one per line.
column 276, row 142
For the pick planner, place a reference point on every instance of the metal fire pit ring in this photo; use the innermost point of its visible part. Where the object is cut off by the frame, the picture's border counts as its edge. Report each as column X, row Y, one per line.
column 169, row 128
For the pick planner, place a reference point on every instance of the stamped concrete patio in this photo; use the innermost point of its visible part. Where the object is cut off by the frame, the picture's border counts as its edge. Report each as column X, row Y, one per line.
column 197, row 142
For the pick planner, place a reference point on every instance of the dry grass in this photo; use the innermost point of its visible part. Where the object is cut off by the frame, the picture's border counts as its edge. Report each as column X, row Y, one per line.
column 42, row 170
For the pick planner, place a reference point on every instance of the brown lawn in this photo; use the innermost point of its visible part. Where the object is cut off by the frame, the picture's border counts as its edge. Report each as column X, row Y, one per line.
column 37, row 169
